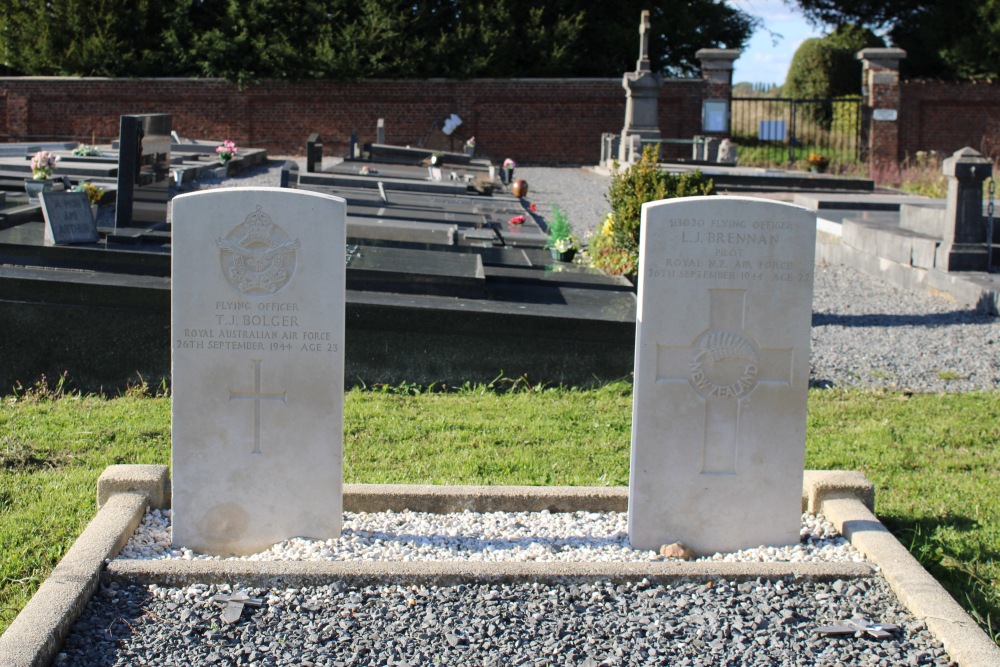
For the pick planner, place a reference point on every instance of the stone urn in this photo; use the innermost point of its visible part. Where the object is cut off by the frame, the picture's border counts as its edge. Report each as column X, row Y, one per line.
column 519, row 188
column 36, row 186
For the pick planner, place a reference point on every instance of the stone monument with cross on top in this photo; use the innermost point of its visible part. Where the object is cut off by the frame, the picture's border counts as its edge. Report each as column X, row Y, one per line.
column 642, row 91
column 257, row 324
column 721, row 373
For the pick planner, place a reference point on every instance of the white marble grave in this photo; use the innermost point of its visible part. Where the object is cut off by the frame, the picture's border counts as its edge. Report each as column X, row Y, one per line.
column 257, row 320
column 721, row 373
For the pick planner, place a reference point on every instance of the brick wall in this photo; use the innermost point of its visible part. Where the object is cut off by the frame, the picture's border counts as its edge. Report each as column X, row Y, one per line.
column 947, row 116
column 534, row 121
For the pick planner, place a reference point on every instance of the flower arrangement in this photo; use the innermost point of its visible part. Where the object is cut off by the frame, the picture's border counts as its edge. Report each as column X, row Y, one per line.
column 470, row 142
column 84, row 150
column 818, row 161
column 43, row 164
column 509, row 164
column 562, row 245
column 367, row 171
column 226, row 151
column 93, row 192
column 561, row 240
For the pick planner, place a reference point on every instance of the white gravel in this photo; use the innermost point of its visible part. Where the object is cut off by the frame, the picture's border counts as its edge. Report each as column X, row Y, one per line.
column 486, row 537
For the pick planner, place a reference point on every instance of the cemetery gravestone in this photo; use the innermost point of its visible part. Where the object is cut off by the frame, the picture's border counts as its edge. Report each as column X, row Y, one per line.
column 143, row 170
column 314, row 153
column 257, row 319
column 721, row 373
column 68, row 218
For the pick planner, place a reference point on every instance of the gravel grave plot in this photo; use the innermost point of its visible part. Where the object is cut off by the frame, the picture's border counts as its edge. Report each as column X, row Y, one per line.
column 486, row 537
column 747, row 624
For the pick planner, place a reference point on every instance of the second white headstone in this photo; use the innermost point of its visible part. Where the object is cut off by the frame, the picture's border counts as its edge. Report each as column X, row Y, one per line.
column 721, row 373
column 257, row 320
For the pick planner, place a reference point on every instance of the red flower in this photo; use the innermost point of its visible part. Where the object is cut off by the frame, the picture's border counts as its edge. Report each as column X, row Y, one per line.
column 517, row 220
column 533, row 208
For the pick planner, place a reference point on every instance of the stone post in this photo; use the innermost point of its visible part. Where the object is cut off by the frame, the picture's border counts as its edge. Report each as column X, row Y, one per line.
column 964, row 247
column 717, row 71
column 880, row 94
column 642, row 91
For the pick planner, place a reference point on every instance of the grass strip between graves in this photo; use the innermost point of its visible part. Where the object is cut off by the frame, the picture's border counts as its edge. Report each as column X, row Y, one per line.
column 935, row 460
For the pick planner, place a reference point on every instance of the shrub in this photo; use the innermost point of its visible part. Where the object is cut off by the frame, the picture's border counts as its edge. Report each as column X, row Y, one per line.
column 615, row 246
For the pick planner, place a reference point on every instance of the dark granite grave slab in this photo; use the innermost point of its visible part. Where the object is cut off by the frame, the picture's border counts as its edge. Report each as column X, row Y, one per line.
column 407, row 155
column 408, row 172
column 406, row 231
column 455, row 203
column 19, row 167
column 856, row 202
column 391, row 185
column 407, row 271
column 415, row 214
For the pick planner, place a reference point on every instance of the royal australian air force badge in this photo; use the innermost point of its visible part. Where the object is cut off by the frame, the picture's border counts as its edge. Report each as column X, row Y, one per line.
column 257, row 255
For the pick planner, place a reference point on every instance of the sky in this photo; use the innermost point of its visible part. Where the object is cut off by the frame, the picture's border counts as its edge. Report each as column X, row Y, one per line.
column 766, row 58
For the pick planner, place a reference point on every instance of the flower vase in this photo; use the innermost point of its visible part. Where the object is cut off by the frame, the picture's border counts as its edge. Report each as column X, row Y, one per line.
column 563, row 255
column 35, row 186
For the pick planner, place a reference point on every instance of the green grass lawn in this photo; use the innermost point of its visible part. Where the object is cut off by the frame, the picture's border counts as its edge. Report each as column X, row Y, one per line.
column 934, row 459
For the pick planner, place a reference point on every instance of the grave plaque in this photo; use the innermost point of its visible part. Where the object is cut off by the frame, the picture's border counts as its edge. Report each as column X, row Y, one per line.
column 721, row 373
column 257, row 321
column 68, row 218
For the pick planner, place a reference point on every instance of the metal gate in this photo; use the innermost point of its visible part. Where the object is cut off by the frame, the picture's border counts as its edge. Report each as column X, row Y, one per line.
column 781, row 130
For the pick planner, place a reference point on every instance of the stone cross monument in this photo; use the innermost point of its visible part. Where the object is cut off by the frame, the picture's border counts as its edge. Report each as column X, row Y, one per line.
column 642, row 89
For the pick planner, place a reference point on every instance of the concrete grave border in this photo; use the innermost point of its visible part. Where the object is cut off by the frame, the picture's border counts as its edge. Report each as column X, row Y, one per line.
column 125, row 491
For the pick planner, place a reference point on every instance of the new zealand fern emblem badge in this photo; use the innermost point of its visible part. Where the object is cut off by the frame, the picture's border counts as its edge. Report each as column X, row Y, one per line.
column 257, row 255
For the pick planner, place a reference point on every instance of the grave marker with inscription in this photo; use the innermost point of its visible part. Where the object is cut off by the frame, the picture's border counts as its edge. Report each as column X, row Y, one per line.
column 68, row 218
column 721, row 373
column 257, row 319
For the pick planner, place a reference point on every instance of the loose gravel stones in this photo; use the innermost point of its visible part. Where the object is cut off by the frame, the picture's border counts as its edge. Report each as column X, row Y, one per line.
column 596, row 537
column 722, row 622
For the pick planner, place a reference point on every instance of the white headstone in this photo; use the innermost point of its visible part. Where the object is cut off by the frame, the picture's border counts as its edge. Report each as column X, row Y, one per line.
column 257, row 318
column 721, row 373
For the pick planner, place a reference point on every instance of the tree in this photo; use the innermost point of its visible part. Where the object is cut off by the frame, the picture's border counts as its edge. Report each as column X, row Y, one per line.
column 246, row 40
column 825, row 67
column 942, row 38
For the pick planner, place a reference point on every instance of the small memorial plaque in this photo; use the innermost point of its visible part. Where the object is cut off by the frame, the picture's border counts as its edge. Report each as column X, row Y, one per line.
column 68, row 218
column 884, row 114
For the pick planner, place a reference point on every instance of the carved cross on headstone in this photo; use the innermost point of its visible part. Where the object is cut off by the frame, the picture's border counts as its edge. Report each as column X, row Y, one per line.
column 256, row 396
column 723, row 365
column 234, row 605
column 642, row 65
column 876, row 630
